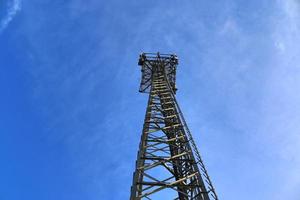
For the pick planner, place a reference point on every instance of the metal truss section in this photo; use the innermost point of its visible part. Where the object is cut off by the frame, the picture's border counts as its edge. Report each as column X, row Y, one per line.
column 151, row 62
column 169, row 165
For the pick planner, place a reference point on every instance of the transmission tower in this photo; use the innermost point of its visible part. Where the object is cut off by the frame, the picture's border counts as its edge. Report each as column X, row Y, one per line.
column 168, row 164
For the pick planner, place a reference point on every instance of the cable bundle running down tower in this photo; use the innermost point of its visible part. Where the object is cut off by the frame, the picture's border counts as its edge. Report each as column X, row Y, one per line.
column 168, row 165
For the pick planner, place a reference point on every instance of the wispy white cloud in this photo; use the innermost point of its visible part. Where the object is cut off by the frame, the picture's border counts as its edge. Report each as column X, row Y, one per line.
column 280, row 121
column 229, row 27
column 13, row 9
column 220, row 55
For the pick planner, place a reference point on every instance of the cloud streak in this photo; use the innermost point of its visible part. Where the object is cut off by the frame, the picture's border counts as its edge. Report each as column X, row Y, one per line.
column 281, row 102
column 245, row 112
column 13, row 9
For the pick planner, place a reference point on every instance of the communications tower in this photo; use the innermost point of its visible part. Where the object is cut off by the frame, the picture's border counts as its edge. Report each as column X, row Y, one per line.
column 168, row 166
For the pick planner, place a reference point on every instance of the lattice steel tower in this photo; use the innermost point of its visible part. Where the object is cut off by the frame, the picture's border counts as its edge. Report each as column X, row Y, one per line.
column 168, row 165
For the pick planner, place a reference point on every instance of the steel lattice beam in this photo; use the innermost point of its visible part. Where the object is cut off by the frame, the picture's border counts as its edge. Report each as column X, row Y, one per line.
column 168, row 158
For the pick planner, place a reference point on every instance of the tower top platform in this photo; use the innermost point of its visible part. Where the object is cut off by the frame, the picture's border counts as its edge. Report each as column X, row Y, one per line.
column 154, row 64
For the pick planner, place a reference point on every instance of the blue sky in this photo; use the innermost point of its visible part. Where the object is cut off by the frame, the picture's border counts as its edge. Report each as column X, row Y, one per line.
column 71, row 115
